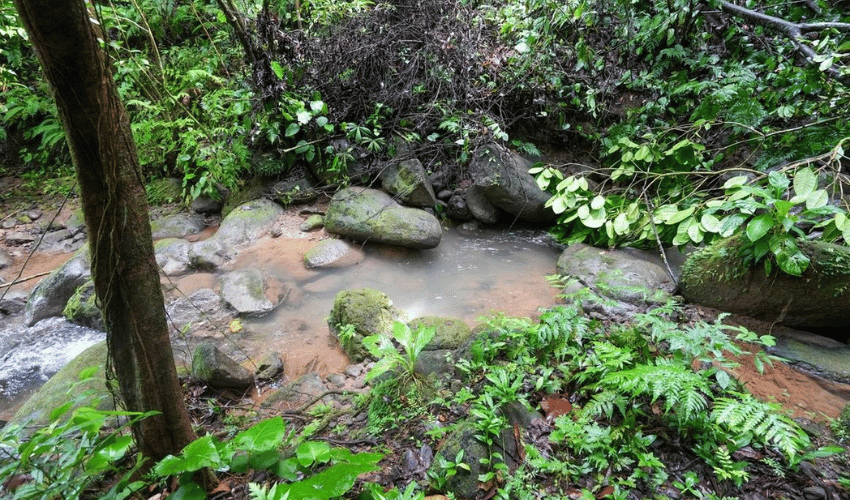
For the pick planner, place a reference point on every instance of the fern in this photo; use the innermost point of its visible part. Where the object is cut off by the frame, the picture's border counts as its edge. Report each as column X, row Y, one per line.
column 683, row 391
column 749, row 416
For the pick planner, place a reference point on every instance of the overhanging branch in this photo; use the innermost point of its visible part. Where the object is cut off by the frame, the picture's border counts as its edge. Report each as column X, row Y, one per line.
column 794, row 31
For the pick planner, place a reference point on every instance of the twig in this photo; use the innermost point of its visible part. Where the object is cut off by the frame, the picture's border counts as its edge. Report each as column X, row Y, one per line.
column 21, row 280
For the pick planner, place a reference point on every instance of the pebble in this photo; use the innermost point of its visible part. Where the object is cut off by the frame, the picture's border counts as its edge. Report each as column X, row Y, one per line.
column 336, row 379
column 353, row 371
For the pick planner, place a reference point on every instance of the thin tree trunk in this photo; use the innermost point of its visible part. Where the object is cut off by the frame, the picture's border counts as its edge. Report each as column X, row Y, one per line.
column 115, row 208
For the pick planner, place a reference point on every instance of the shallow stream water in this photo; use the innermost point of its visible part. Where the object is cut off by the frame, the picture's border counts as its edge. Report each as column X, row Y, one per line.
column 469, row 275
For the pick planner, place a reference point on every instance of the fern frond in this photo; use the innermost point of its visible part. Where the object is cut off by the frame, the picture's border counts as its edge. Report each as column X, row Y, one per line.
column 748, row 415
column 683, row 391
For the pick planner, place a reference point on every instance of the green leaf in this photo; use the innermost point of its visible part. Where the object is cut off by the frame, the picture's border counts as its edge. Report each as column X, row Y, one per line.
column 277, row 69
column 805, row 182
column 621, row 224
column 597, row 202
column 664, row 213
column 313, row 452
column 681, row 215
column 817, row 199
column 262, row 436
column 317, row 106
column 292, row 129
column 759, row 226
column 735, row 182
column 788, row 256
column 710, row 223
column 303, row 117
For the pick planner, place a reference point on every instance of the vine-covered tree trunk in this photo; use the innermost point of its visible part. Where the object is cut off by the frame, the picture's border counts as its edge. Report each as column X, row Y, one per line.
column 115, row 208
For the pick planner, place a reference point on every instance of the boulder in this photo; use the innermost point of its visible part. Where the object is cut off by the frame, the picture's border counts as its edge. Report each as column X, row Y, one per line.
column 65, row 385
column 269, row 367
column 333, row 254
column 305, row 387
column 449, row 334
column 716, row 277
column 369, row 312
column 457, row 209
column 408, row 181
column 49, row 297
column 628, row 275
column 210, row 253
column 172, row 256
column 177, row 225
column 371, row 215
column 248, row 222
column 203, row 308
column 480, row 207
column 82, row 308
column 13, row 302
column 245, row 291
column 206, row 204
column 215, row 368
column 503, row 178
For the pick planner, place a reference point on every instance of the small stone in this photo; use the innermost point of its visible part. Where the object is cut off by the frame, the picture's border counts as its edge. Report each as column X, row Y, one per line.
column 34, row 214
column 8, row 223
column 19, row 238
column 353, row 371
column 336, row 379
column 270, row 367
column 312, row 223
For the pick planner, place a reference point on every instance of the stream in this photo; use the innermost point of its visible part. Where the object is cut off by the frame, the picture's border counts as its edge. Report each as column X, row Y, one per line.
column 469, row 275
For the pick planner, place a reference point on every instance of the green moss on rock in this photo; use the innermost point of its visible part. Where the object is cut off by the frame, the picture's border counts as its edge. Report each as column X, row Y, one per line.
column 368, row 311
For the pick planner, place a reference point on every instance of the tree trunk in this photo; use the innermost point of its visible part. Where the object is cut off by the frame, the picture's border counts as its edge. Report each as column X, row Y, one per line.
column 112, row 189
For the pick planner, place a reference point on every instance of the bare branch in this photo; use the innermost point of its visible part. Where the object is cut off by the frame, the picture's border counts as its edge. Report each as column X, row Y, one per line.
column 793, row 31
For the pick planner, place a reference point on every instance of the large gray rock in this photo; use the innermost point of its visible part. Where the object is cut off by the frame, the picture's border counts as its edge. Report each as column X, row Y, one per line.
column 503, row 178
column 480, row 207
column 369, row 311
column 716, row 277
column 628, row 274
column 248, row 222
column 332, row 254
column 172, row 256
column 614, row 284
column 215, row 368
column 211, row 253
column 65, row 385
column 177, row 225
column 12, row 302
column 408, row 181
column 203, row 308
column 49, row 297
column 245, row 291
column 449, row 335
column 371, row 215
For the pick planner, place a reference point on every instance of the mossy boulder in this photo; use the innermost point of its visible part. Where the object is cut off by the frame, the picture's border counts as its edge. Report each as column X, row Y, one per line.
column 215, row 368
column 449, row 333
column 333, row 254
column 370, row 215
column 245, row 291
column 369, row 312
column 249, row 221
column 49, row 297
column 409, row 182
column 65, row 385
column 715, row 276
column 82, row 308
